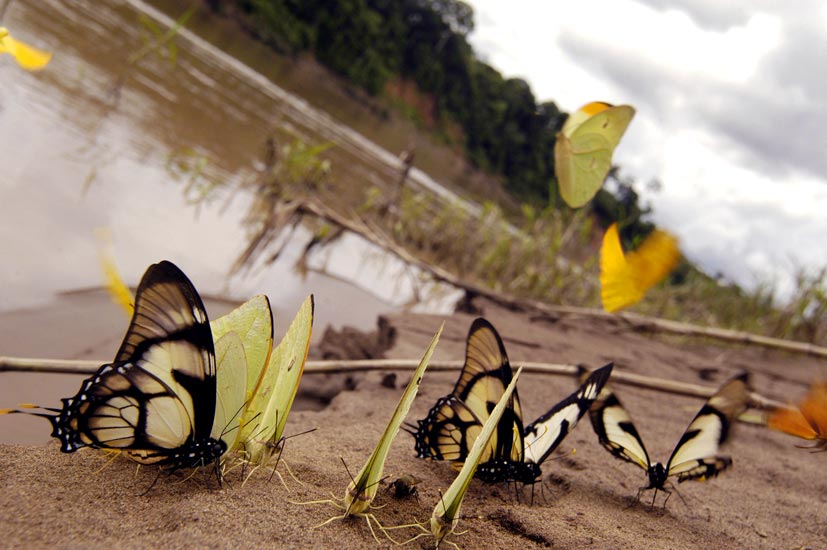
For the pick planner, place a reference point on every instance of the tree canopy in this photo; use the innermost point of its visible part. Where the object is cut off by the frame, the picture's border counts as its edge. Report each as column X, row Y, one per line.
column 506, row 130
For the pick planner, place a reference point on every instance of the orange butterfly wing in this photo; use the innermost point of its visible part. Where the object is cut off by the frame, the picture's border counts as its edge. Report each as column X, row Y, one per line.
column 809, row 421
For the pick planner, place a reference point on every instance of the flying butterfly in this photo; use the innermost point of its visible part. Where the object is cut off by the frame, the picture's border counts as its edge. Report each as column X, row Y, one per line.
column 624, row 279
column 513, row 453
column 157, row 401
column 584, row 147
column 695, row 456
column 808, row 420
column 28, row 57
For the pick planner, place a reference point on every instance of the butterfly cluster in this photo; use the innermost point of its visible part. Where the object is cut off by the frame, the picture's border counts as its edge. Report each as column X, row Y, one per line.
column 182, row 392
column 515, row 453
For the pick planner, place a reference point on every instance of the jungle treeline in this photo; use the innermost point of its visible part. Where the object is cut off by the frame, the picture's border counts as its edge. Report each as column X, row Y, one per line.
column 506, row 130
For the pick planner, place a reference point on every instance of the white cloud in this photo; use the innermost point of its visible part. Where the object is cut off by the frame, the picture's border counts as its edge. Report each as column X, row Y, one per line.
column 731, row 115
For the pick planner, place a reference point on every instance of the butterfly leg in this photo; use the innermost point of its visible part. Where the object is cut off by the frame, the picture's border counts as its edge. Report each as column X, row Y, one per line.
column 634, row 501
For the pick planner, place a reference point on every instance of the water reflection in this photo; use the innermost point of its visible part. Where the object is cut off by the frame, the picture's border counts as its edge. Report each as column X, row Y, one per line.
column 82, row 157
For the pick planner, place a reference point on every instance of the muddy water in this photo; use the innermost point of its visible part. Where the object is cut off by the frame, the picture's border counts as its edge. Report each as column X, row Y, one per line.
column 90, row 143
column 93, row 141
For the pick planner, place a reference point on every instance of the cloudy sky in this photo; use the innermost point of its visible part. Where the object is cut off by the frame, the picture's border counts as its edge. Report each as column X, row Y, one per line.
column 731, row 114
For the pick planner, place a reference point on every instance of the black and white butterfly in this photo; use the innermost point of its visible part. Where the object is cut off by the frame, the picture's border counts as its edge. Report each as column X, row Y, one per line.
column 157, row 400
column 514, row 453
column 695, row 456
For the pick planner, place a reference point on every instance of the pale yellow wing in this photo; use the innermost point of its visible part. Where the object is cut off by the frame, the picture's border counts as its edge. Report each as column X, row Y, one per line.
column 252, row 321
column 584, row 147
column 231, row 382
column 361, row 491
column 266, row 415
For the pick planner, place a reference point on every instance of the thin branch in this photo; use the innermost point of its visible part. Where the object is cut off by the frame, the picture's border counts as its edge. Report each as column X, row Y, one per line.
column 634, row 321
column 19, row 364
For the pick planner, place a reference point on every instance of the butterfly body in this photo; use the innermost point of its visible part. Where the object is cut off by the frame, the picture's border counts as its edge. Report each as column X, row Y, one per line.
column 497, row 470
column 513, row 453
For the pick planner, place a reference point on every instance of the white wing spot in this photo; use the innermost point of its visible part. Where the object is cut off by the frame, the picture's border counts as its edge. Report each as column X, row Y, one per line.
column 198, row 314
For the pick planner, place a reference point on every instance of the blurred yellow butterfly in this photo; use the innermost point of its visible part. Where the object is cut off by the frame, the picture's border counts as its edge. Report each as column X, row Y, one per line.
column 624, row 279
column 583, row 149
column 26, row 56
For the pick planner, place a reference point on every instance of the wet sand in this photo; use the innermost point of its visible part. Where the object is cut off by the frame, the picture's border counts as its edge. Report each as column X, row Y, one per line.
column 773, row 497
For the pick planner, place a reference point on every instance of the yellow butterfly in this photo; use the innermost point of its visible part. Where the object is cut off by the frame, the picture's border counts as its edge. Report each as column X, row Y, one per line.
column 28, row 57
column 363, row 487
column 583, row 149
column 275, row 389
column 624, row 279
column 445, row 515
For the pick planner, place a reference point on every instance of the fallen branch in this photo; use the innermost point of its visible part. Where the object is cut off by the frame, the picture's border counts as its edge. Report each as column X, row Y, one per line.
column 65, row 366
column 636, row 322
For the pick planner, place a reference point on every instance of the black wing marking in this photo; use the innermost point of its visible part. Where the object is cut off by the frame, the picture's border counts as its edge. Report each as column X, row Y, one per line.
column 157, row 400
column 452, row 425
column 547, row 432
column 695, row 455
column 615, row 430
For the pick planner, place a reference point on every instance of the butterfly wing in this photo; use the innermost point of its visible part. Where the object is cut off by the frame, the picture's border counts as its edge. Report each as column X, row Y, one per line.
column 452, row 428
column 362, row 489
column 624, row 279
column 449, row 430
column 28, row 57
column 272, row 399
column 446, row 512
column 615, row 430
column 584, row 147
column 695, row 456
column 808, row 420
column 159, row 395
column 252, row 321
column 231, row 384
column 547, row 432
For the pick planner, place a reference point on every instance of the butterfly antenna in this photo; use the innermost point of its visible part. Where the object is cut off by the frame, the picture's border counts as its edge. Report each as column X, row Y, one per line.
column 151, row 485
column 680, row 496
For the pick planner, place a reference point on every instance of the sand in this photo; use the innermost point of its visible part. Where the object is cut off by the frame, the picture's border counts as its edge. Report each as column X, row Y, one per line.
column 773, row 497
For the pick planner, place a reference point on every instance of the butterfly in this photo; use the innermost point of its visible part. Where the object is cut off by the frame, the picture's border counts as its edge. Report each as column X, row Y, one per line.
column 808, row 420
column 514, row 453
column 695, row 456
column 624, row 279
column 363, row 488
column 274, row 388
column 273, row 374
column 445, row 516
column 584, row 146
column 28, row 57
column 161, row 400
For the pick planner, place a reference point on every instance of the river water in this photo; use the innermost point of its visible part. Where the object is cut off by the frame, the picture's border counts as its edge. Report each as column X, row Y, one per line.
column 91, row 142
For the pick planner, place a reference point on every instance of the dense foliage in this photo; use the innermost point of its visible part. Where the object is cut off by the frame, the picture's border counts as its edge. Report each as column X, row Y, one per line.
column 506, row 130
